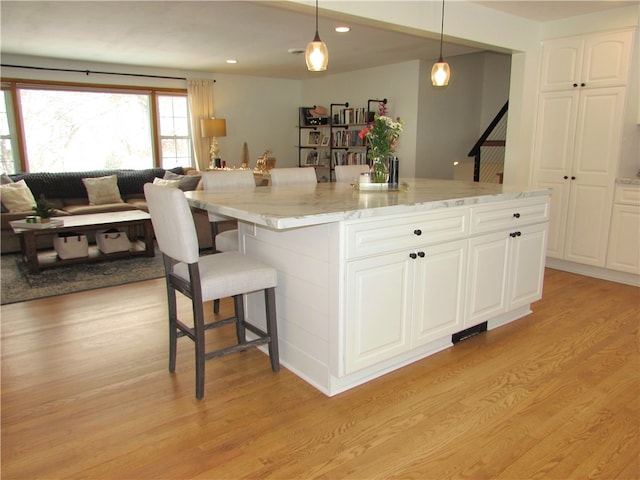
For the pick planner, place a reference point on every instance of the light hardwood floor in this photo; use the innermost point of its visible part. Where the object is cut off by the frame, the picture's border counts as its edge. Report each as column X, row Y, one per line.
column 86, row 394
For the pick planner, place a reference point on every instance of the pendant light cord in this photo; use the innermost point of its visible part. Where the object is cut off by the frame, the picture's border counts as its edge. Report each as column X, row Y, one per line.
column 316, row 18
column 441, row 29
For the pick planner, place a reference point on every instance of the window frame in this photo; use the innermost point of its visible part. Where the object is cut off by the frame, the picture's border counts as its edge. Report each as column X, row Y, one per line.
column 15, row 84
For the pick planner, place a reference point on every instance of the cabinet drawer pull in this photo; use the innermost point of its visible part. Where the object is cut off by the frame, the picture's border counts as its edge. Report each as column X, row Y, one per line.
column 421, row 254
column 417, row 232
column 516, row 215
column 515, row 234
column 413, row 256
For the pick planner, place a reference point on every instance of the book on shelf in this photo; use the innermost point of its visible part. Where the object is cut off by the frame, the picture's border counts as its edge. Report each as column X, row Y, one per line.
column 350, row 115
column 346, row 138
column 349, row 158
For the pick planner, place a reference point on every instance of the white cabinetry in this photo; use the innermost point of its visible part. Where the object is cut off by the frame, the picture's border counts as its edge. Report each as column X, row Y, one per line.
column 600, row 60
column 506, row 266
column 406, row 287
column 624, row 242
column 419, row 279
column 577, row 141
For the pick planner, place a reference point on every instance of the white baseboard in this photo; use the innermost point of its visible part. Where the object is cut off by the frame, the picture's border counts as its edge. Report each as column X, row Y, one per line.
column 596, row 272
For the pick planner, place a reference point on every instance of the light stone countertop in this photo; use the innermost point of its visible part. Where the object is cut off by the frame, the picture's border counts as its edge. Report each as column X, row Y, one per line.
column 286, row 207
column 628, row 181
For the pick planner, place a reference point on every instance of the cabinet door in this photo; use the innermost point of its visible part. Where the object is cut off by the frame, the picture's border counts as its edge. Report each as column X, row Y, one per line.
column 598, row 135
column 487, row 277
column 379, row 309
column 590, row 61
column 438, row 292
column 561, row 63
column 555, row 135
column 526, row 265
column 553, row 153
column 624, row 241
column 606, row 59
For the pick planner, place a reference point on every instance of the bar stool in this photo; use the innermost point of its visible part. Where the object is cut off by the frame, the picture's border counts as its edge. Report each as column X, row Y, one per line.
column 202, row 279
column 350, row 173
column 293, row 176
column 222, row 180
column 218, row 181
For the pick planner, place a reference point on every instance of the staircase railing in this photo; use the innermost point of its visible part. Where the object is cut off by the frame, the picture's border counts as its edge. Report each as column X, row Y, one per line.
column 493, row 162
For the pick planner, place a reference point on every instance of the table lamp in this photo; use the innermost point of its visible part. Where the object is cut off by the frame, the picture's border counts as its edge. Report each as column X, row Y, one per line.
column 214, row 127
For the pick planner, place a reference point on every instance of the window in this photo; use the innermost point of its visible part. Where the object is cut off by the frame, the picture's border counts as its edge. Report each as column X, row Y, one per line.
column 78, row 128
column 173, row 126
column 86, row 130
column 8, row 156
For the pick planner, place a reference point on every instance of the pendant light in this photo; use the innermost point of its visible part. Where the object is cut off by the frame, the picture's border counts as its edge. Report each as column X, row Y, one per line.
column 440, row 73
column 316, row 55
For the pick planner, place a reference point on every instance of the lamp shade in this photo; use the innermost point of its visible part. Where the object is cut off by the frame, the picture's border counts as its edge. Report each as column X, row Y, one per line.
column 440, row 74
column 317, row 55
column 213, row 127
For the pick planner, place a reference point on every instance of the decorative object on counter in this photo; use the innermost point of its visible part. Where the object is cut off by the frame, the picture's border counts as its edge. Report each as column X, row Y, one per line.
column 43, row 209
column 214, row 127
column 244, row 157
column 261, row 163
column 381, row 137
column 440, row 73
column 394, row 170
column 316, row 55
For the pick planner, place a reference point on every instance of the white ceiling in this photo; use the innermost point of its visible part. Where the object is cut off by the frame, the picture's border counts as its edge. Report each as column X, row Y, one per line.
column 201, row 35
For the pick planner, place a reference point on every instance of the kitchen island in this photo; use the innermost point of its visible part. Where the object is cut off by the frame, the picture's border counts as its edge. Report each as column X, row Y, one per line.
column 371, row 281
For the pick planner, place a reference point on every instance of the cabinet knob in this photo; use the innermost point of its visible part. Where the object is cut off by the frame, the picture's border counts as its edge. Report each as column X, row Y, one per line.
column 575, row 85
column 417, row 232
column 421, row 254
column 516, row 215
column 566, row 177
column 583, row 84
column 573, row 178
column 413, row 255
column 515, row 234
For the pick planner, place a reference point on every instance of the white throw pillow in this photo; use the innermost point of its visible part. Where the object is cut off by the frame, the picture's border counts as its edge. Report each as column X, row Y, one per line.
column 187, row 182
column 16, row 197
column 166, row 183
column 102, row 190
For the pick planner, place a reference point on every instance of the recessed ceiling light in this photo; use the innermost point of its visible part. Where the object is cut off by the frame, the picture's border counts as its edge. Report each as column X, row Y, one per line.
column 231, row 60
column 342, row 29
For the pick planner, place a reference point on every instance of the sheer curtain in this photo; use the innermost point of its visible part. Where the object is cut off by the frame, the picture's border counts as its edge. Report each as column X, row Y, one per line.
column 200, row 98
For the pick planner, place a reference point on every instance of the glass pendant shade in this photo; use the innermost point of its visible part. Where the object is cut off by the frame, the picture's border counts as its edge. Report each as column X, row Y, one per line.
column 440, row 73
column 317, row 55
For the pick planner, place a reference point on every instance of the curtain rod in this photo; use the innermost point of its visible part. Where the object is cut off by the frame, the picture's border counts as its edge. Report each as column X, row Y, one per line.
column 87, row 72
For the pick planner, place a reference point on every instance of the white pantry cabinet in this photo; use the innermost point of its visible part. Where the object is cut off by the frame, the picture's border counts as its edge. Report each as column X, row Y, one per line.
column 592, row 61
column 577, row 141
column 624, row 241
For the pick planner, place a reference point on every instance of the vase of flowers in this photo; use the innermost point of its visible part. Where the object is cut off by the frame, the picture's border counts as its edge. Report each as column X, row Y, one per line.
column 381, row 136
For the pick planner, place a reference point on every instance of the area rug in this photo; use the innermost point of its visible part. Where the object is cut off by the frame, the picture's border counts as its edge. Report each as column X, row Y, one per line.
column 18, row 285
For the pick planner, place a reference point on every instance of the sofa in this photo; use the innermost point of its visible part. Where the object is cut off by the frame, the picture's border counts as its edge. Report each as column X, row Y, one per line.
column 68, row 195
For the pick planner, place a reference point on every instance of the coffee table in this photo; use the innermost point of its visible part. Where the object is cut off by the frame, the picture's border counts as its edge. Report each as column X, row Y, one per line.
column 85, row 223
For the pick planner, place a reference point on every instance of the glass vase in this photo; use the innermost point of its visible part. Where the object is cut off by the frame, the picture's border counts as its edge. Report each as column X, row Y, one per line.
column 379, row 170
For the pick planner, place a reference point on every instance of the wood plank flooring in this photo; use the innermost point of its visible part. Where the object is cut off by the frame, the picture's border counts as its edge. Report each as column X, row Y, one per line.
column 86, row 394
